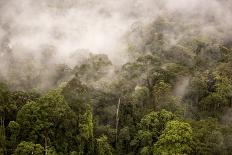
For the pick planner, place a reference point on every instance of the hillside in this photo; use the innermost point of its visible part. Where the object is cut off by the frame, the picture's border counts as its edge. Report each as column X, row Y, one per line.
column 167, row 92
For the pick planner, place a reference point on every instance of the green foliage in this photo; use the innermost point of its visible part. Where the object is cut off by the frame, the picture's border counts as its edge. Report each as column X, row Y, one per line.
column 151, row 127
column 12, row 102
column 86, row 132
column 28, row 148
column 164, row 98
column 155, row 122
column 4, row 102
column 175, row 139
column 207, row 137
column 4, row 92
column 140, row 95
column 2, row 140
column 50, row 115
column 102, row 146
column 94, row 68
column 161, row 91
column 79, row 116
column 86, row 125
column 210, row 93
column 14, row 130
column 76, row 94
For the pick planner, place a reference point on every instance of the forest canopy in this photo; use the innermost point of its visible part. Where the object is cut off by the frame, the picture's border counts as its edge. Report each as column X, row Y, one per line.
column 165, row 87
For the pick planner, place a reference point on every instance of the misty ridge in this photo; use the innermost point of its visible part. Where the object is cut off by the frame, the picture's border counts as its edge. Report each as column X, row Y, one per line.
column 42, row 39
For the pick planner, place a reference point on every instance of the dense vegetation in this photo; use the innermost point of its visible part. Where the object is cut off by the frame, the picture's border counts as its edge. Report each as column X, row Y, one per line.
column 170, row 98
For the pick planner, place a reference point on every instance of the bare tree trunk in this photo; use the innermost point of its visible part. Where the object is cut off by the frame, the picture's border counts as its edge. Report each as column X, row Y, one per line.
column 117, row 120
column 151, row 97
column 46, row 141
column 2, row 134
column 3, row 127
column 230, row 102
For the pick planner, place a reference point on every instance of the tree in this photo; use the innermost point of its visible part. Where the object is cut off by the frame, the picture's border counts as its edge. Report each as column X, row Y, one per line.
column 102, row 146
column 155, row 121
column 161, row 91
column 124, row 139
column 86, row 132
column 77, row 95
column 151, row 127
column 207, row 137
column 4, row 103
column 2, row 140
column 218, row 98
column 12, row 102
column 28, row 148
column 164, row 98
column 209, row 94
column 140, row 96
column 13, row 129
column 94, row 68
column 47, row 121
column 175, row 139
column 4, row 100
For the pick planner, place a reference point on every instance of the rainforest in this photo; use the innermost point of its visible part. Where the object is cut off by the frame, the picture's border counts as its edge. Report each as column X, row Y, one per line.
column 105, row 77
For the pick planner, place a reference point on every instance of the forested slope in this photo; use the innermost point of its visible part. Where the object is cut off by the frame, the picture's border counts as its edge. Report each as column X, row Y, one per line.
column 172, row 96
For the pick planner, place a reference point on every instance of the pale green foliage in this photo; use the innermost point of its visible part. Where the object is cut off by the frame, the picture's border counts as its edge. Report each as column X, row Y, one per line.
column 86, row 125
column 28, row 148
column 51, row 152
column 223, row 86
column 176, row 139
column 86, row 132
column 161, row 90
column 103, row 147
column 163, row 97
column 155, row 122
column 145, row 151
column 150, row 128
column 14, row 127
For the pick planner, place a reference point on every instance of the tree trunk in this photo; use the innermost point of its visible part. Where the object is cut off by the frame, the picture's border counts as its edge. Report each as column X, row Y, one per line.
column 2, row 135
column 151, row 97
column 117, row 120
column 46, row 141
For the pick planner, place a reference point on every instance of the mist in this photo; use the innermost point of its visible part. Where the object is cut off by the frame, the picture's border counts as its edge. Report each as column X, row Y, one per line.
column 70, row 25
column 115, row 77
column 43, row 34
